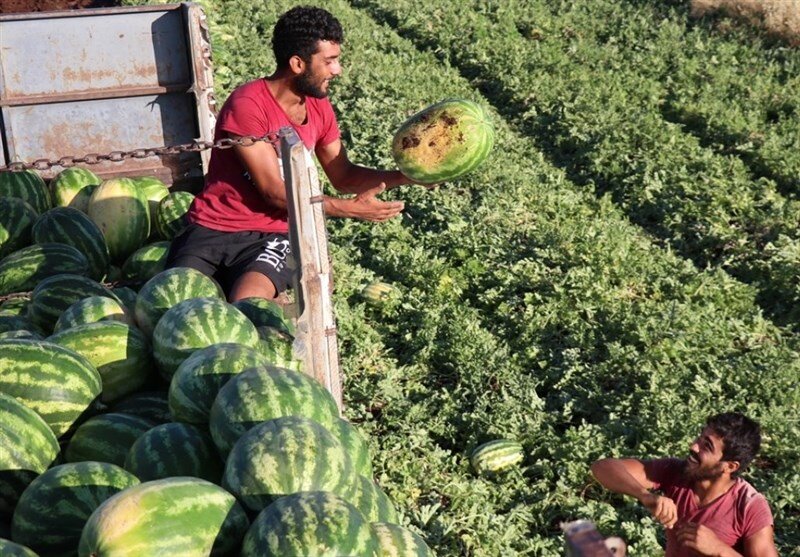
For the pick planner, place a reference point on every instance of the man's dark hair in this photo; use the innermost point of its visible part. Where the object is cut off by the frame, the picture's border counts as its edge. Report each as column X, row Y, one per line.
column 741, row 437
column 298, row 31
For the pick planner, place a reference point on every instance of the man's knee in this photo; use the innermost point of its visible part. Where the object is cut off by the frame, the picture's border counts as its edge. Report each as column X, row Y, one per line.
column 252, row 284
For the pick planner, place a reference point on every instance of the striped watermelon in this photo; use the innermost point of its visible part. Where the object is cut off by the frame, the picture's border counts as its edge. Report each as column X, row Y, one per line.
column 17, row 305
column 496, row 456
column 171, row 214
column 151, row 405
column 106, row 438
column 128, row 298
column 167, row 289
column 311, row 524
column 22, row 270
column 16, row 326
column 92, row 310
column 120, row 209
column 27, row 447
column 119, row 352
column 380, row 293
column 265, row 313
column 355, row 444
column 21, row 334
column 113, row 274
column 55, row 382
column 55, row 294
column 69, row 226
column 51, row 513
column 174, row 449
column 264, row 393
column 186, row 517
column 11, row 549
column 72, row 187
column 372, row 502
column 195, row 324
column 287, row 455
column 16, row 223
column 396, row 541
column 146, row 262
column 444, row 141
column 154, row 190
column 14, row 323
column 28, row 186
column 278, row 348
column 200, row 377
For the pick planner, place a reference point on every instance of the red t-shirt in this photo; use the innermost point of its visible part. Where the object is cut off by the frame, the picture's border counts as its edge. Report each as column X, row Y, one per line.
column 737, row 514
column 230, row 202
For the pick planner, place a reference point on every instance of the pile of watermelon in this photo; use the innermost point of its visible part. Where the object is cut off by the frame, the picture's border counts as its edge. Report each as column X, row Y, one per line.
column 157, row 418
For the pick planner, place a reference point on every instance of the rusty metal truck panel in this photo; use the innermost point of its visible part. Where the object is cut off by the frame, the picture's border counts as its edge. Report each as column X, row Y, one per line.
column 95, row 81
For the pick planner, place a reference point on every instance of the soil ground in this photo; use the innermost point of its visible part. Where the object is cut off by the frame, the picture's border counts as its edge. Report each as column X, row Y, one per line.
column 15, row 6
column 781, row 18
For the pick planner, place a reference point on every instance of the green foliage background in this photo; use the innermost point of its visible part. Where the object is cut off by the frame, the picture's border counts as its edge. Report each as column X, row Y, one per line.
column 624, row 265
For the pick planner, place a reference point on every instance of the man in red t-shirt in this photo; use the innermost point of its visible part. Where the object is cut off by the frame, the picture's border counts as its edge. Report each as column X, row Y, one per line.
column 238, row 231
column 707, row 508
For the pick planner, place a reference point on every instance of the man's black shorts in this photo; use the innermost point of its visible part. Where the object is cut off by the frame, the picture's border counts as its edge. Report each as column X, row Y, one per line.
column 225, row 256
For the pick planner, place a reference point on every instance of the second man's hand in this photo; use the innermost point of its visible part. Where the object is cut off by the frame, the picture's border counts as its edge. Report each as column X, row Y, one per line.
column 702, row 540
column 662, row 508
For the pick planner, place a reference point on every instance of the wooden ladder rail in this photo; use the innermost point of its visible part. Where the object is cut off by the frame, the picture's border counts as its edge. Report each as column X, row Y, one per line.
column 315, row 342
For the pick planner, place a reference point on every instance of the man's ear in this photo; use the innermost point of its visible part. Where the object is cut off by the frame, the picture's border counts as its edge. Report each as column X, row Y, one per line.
column 297, row 65
column 731, row 466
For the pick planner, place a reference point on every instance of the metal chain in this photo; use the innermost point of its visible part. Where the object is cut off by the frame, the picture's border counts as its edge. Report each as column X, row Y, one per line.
column 142, row 153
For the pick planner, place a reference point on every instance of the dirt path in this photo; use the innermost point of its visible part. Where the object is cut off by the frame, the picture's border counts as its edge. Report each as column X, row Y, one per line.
column 780, row 17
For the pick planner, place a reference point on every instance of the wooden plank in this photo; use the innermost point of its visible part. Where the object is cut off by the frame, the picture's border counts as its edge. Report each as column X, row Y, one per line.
column 118, row 79
column 316, row 325
column 202, row 73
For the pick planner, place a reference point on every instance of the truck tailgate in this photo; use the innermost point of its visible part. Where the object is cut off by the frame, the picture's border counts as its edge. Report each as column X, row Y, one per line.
column 101, row 80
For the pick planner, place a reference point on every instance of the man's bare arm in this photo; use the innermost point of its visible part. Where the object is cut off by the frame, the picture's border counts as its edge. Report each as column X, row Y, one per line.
column 261, row 162
column 348, row 177
column 761, row 544
column 623, row 475
column 629, row 477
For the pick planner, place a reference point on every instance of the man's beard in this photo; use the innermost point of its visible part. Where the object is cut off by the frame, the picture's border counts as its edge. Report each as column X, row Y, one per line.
column 305, row 85
column 694, row 472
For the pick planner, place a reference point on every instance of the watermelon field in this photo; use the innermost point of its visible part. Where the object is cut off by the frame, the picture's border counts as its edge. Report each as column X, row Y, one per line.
column 625, row 263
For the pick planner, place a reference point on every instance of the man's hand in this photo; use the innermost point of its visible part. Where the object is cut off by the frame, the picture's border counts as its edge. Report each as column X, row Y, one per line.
column 367, row 206
column 701, row 539
column 662, row 508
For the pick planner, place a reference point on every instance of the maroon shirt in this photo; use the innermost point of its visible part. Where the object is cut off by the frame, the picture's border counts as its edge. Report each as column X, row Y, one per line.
column 230, row 202
column 733, row 516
